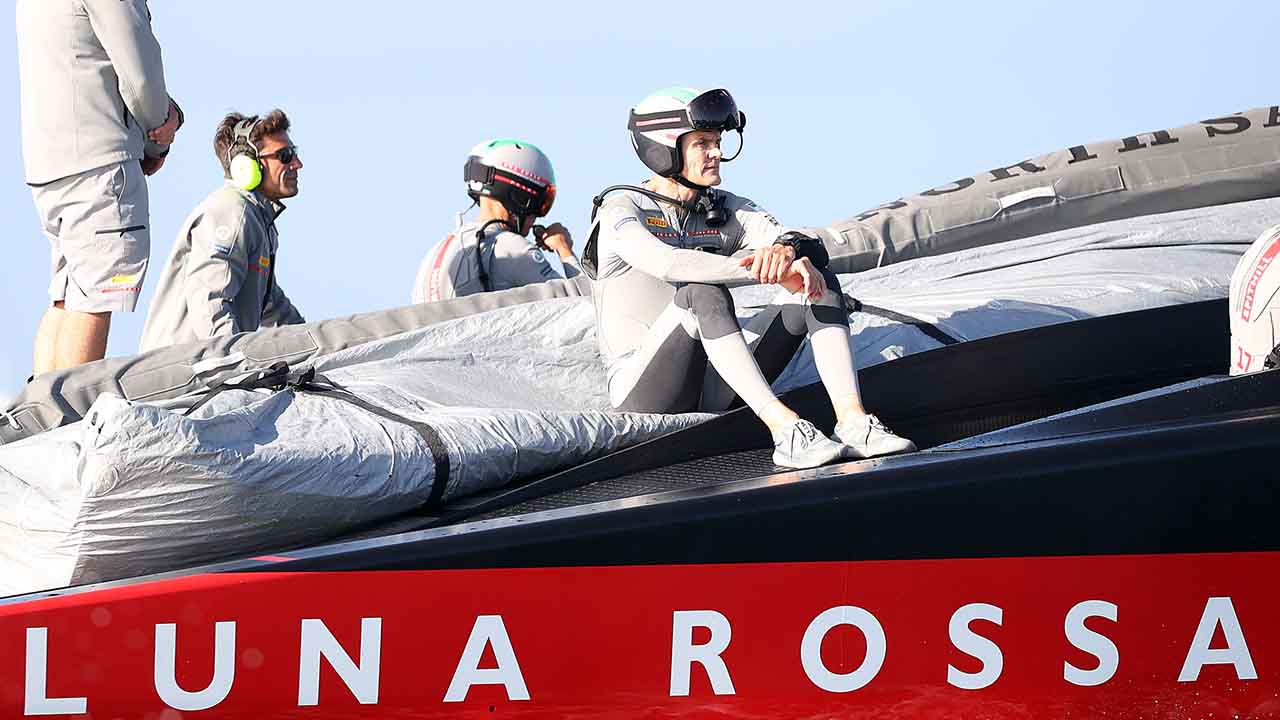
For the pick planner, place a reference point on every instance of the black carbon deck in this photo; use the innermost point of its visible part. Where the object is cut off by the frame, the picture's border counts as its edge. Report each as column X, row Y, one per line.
column 680, row 476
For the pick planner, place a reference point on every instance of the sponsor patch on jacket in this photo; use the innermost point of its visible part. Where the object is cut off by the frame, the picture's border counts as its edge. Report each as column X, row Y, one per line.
column 222, row 240
column 121, row 284
column 264, row 265
column 656, row 221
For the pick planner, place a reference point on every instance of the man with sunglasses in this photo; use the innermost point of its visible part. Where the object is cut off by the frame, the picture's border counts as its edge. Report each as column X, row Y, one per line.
column 514, row 184
column 221, row 276
column 96, row 119
column 663, row 258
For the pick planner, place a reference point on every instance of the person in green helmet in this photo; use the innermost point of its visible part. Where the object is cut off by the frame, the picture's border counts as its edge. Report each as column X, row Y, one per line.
column 514, row 184
column 662, row 259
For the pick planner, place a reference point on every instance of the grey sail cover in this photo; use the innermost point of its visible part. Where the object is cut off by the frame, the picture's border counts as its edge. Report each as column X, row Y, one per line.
column 1221, row 160
column 58, row 398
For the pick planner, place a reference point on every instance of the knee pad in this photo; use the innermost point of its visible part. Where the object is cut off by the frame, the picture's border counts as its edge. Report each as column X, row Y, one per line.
column 831, row 309
column 712, row 305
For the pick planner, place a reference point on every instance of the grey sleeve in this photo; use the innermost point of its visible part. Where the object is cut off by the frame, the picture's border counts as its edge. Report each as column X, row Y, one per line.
column 621, row 228
column 124, row 29
column 216, row 269
column 514, row 262
column 279, row 310
column 572, row 268
column 419, row 292
column 759, row 228
column 440, row 276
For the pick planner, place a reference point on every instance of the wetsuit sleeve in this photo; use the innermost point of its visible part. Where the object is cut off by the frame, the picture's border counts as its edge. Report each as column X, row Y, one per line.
column 759, row 228
column 621, row 226
column 279, row 310
column 124, row 29
column 216, row 270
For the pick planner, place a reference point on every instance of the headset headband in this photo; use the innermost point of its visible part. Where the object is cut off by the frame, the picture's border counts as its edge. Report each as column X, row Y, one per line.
column 242, row 134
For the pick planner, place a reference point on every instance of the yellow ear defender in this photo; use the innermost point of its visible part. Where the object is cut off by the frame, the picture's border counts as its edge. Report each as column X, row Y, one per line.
column 242, row 156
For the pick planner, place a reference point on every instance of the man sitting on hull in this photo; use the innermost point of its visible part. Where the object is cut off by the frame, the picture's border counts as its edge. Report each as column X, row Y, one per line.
column 221, row 276
column 661, row 257
column 514, row 184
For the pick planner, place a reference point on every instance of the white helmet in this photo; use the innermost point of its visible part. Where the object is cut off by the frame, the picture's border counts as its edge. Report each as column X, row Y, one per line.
column 513, row 172
column 657, row 123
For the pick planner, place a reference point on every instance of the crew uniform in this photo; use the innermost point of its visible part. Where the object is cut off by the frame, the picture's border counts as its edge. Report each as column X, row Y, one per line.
column 220, row 277
column 463, row 264
column 92, row 84
column 662, row 303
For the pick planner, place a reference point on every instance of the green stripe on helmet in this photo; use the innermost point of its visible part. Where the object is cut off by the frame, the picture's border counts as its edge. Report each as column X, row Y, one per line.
column 682, row 94
column 504, row 142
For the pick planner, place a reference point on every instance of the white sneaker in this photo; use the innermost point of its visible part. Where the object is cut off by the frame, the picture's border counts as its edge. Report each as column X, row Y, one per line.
column 801, row 445
column 865, row 436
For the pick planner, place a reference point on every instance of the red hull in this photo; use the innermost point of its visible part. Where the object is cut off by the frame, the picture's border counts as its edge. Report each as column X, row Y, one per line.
column 598, row 642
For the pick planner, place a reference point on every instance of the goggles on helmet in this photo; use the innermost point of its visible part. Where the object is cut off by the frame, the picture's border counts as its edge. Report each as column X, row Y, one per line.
column 712, row 110
column 715, row 110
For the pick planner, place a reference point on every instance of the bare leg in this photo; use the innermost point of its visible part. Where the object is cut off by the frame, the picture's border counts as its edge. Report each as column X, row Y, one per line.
column 47, row 339
column 82, row 338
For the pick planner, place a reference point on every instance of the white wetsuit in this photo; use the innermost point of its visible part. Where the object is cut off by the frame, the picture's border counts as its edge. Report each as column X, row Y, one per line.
column 663, row 308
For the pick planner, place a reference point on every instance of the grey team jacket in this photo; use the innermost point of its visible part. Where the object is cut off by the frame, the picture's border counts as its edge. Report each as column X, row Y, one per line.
column 220, row 277
column 646, row 249
column 452, row 269
column 92, row 84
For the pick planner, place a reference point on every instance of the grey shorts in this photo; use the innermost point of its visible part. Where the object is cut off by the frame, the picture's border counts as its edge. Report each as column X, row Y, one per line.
column 96, row 223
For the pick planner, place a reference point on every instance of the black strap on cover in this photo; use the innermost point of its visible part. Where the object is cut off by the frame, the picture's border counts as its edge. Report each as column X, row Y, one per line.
column 933, row 331
column 277, row 378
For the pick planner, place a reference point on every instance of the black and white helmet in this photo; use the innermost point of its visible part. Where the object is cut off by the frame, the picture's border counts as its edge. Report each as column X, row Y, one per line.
column 657, row 123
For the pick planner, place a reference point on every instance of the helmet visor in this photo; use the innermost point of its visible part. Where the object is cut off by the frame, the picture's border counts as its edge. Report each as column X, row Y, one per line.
column 714, row 110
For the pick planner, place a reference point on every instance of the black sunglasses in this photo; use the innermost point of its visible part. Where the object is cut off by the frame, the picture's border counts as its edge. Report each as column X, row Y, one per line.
column 285, row 154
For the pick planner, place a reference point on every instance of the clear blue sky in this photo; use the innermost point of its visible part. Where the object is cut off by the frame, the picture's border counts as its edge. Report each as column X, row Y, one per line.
column 849, row 105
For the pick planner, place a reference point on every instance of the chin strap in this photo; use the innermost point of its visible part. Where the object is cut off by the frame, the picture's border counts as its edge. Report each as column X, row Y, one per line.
column 682, row 180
